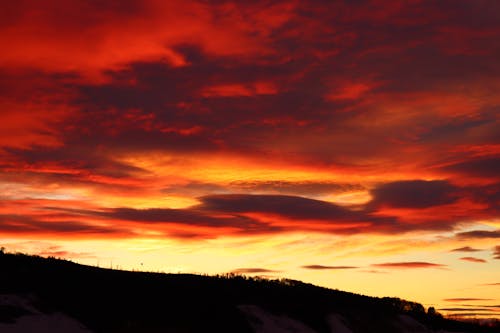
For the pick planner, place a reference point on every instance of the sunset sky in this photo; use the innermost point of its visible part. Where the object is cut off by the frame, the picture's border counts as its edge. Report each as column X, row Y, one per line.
column 350, row 144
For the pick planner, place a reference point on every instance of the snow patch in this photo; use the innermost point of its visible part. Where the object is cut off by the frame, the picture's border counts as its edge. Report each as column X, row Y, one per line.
column 408, row 324
column 337, row 324
column 34, row 320
column 265, row 322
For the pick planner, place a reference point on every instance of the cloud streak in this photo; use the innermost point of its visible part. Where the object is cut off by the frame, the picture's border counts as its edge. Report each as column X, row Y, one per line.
column 466, row 299
column 409, row 265
column 473, row 259
column 479, row 234
column 323, row 267
column 465, row 249
column 253, row 270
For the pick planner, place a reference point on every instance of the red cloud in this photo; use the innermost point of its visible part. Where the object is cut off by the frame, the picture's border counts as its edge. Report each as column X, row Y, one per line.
column 472, row 259
column 252, row 271
column 466, row 299
column 322, row 267
column 382, row 101
column 465, row 249
column 410, row 264
column 479, row 234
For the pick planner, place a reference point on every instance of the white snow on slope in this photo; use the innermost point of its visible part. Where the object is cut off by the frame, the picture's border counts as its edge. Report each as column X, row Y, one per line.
column 265, row 322
column 337, row 324
column 408, row 324
column 37, row 321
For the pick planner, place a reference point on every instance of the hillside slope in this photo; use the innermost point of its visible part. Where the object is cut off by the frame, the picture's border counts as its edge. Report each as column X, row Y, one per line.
column 66, row 297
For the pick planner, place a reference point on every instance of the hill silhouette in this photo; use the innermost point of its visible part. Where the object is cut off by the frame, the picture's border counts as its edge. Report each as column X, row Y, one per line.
column 106, row 300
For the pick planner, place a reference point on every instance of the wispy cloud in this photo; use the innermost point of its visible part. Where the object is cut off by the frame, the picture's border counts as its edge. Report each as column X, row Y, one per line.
column 466, row 249
column 323, row 267
column 482, row 309
column 479, row 234
column 409, row 264
column 415, row 194
column 59, row 252
column 491, row 284
column 473, row 259
column 374, row 271
column 253, row 270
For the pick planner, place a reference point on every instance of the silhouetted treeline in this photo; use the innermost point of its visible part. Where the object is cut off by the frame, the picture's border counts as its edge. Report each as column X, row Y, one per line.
column 121, row 301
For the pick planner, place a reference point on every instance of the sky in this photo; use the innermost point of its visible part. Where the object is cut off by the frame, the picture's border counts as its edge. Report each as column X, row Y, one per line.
column 350, row 144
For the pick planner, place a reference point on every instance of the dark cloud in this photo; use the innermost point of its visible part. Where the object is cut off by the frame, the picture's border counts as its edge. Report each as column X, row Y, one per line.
column 235, row 214
column 336, row 219
column 409, row 264
column 455, row 129
column 68, row 167
column 190, row 217
column 466, row 249
column 160, row 219
column 76, row 160
column 488, row 194
column 219, row 211
column 235, row 211
column 174, row 95
column 485, row 167
column 414, row 194
column 289, row 206
column 479, row 234
column 473, row 259
column 177, row 116
column 322, row 267
column 22, row 224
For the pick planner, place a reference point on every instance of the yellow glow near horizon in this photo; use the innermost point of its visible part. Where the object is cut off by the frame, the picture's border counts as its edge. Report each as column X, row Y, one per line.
column 225, row 254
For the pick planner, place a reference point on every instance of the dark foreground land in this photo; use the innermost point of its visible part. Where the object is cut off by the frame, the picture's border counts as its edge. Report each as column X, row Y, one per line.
column 105, row 300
